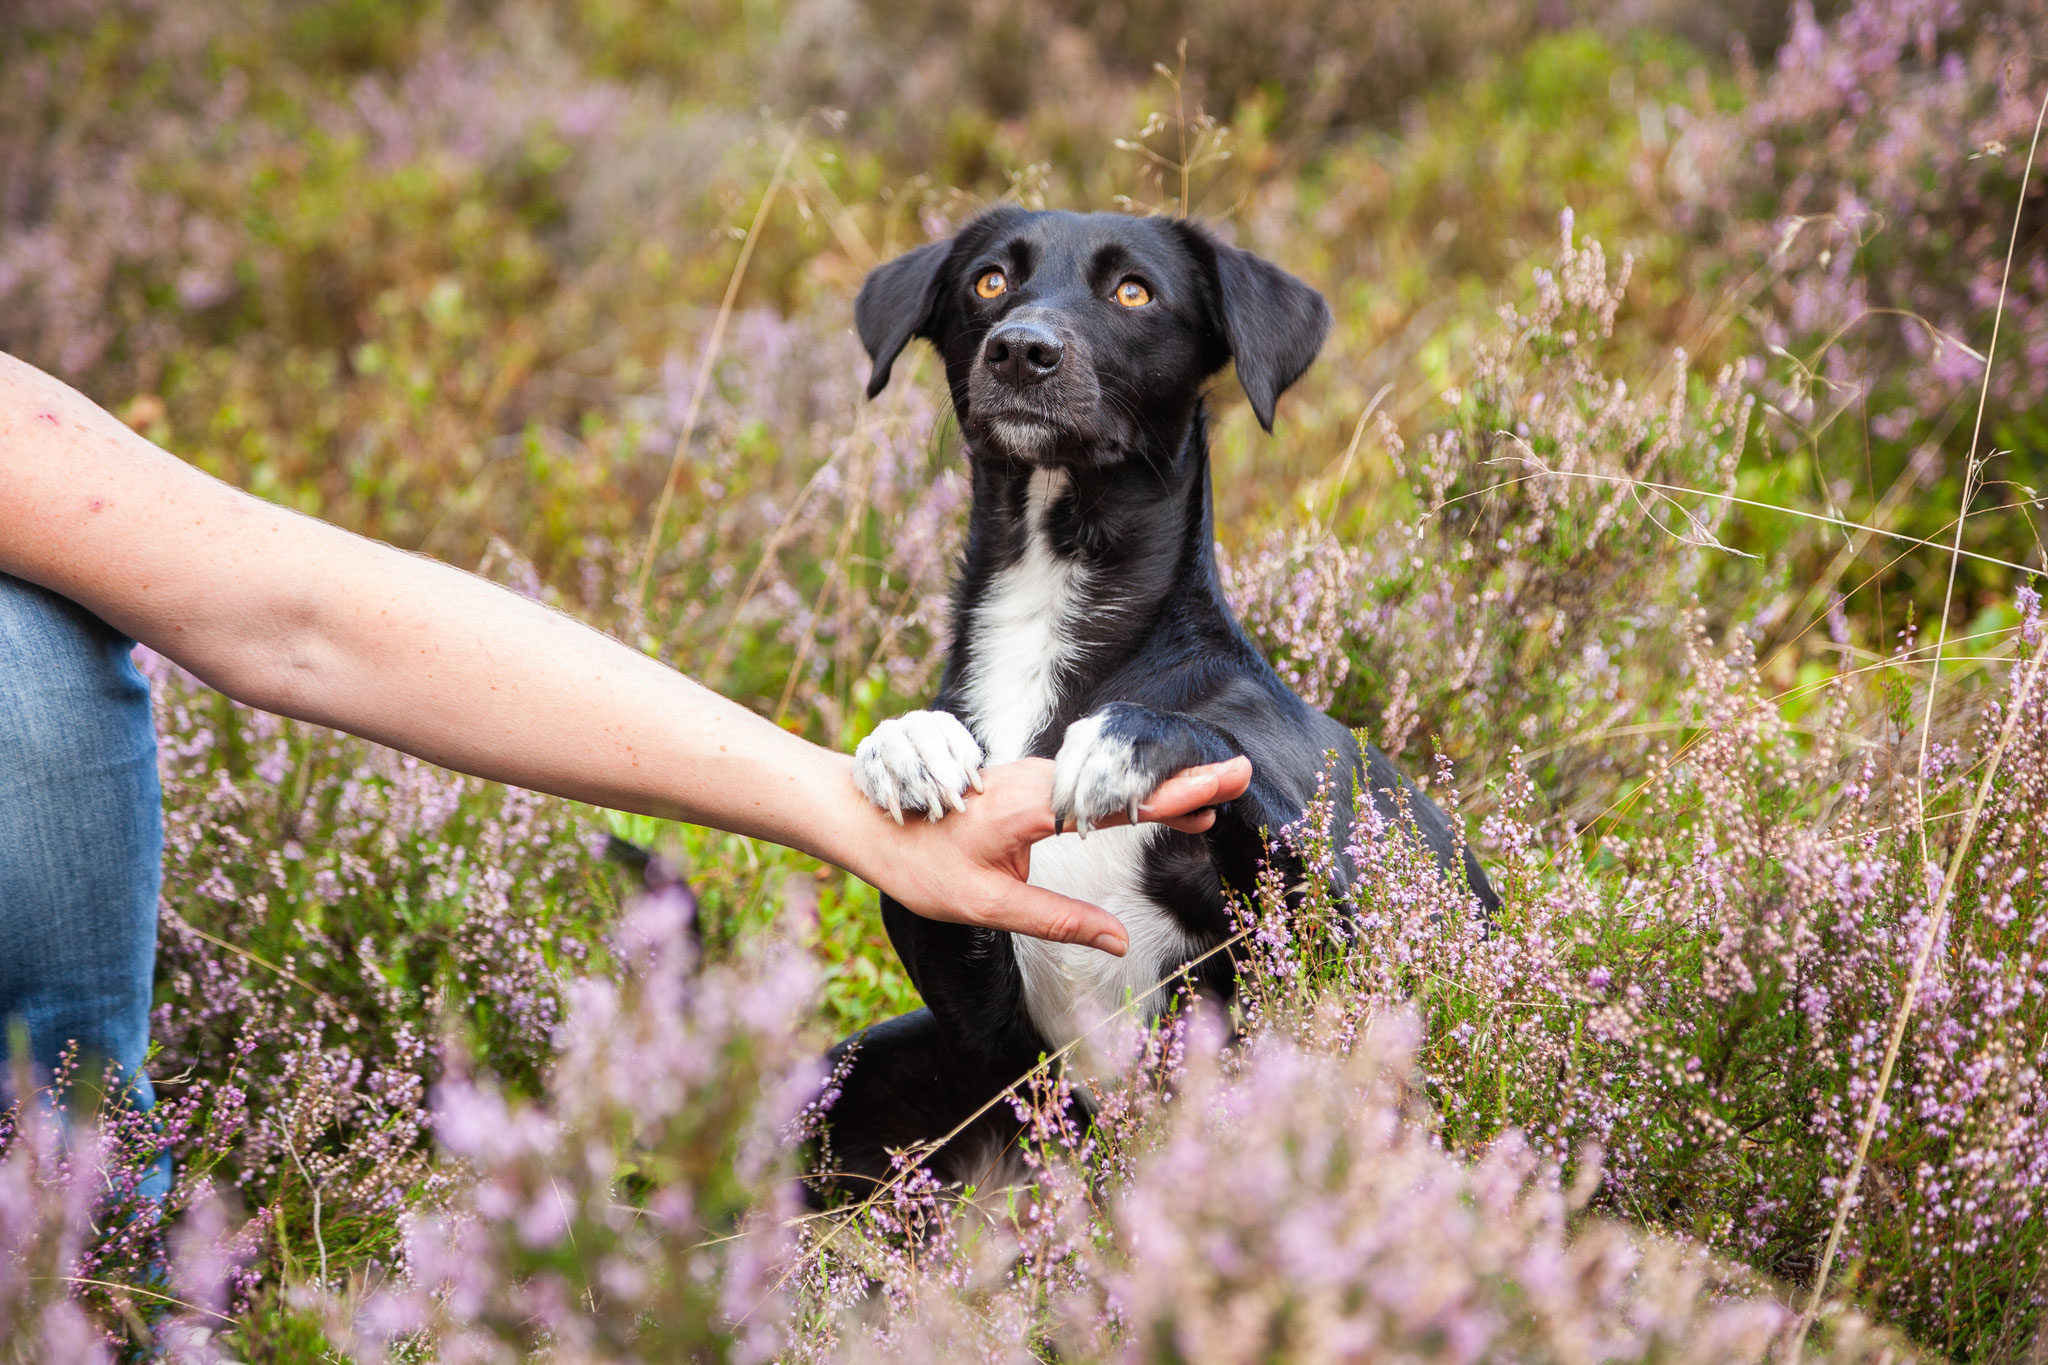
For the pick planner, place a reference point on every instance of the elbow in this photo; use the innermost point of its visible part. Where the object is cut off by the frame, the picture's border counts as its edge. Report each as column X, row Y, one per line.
column 283, row 661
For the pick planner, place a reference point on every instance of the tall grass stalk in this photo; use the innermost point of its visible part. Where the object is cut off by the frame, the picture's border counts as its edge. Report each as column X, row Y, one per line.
column 1937, row 917
column 709, row 361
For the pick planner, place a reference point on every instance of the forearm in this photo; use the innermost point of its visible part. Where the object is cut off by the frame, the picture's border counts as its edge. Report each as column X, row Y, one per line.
column 294, row 616
column 464, row 673
column 471, row 676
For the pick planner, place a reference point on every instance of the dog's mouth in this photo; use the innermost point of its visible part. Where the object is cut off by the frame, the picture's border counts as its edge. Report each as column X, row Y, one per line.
column 1038, row 441
column 1025, row 435
column 1037, row 434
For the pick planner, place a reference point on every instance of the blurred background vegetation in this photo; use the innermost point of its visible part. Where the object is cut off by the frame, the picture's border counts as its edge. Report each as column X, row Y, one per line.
column 445, row 273
column 448, row 273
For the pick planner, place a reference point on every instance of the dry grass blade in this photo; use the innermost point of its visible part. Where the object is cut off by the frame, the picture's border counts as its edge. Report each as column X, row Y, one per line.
column 1853, row 1177
column 836, row 574
column 1801, row 513
column 708, row 362
column 185, row 1304
column 319, row 1237
column 268, row 966
column 1935, row 921
column 721, row 657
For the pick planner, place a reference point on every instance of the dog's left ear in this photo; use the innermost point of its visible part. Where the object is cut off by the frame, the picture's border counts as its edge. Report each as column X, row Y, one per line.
column 1274, row 323
column 895, row 304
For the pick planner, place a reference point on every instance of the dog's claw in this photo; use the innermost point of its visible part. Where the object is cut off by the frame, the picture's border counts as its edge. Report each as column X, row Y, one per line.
column 1099, row 775
column 974, row 776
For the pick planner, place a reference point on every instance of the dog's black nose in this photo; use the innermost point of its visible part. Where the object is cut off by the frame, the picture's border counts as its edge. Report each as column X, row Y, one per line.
column 1022, row 353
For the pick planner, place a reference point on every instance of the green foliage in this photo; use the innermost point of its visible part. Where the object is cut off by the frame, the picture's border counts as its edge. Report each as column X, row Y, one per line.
column 444, row 274
column 748, row 889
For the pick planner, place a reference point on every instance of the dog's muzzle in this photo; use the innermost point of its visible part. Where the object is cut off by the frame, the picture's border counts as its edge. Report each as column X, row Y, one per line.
column 1034, row 392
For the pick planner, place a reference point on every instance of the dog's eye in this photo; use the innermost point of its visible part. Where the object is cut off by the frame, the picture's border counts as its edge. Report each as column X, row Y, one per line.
column 991, row 284
column 1131, row 294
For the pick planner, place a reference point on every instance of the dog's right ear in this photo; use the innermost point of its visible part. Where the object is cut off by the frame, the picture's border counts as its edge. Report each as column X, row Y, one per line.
column 895, row 304
column 1272, row 322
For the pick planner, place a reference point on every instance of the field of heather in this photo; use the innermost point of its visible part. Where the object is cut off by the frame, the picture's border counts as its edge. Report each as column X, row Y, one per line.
column 1667, row 495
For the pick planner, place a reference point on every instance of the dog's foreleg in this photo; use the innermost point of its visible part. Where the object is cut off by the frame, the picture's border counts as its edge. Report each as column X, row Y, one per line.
column 1112, row 758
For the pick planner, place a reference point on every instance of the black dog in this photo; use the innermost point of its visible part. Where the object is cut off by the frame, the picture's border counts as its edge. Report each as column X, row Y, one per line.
column 1089, row 626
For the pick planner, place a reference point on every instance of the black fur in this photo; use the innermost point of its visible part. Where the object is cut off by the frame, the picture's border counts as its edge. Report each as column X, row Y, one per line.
column 1115, row 400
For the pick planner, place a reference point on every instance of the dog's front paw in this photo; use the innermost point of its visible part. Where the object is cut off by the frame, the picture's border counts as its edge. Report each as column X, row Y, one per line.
column 925, row 760
column 1105, row 764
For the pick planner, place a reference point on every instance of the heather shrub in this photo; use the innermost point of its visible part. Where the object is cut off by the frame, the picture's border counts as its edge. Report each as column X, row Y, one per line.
column 1298, row 1205
column 1879, row 161
column 448, row 274
column 1559, row 514
column 1860, row 203
column 86, row 1272
column 46, row 1198
column 640, row 1211
column 1708, row 1011
column 1291, row 1197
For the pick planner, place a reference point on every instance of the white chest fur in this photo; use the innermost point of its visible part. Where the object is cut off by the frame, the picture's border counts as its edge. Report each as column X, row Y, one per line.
column 1021, row 647
column 1022, row 635
column 1069, row 988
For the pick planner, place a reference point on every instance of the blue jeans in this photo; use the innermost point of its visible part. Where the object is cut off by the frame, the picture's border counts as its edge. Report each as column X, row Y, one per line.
column 81, row 837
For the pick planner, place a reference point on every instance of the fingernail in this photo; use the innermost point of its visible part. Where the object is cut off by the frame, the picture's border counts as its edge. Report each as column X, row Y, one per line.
column 1113, row 944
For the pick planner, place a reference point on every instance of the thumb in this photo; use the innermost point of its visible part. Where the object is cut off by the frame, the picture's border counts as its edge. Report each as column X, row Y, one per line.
column 1040, row 913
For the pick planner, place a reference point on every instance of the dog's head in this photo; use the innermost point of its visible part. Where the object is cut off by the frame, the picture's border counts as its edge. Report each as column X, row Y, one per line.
column 1077, row 338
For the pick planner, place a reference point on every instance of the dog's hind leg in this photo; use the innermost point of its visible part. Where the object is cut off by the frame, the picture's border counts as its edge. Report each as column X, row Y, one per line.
column 910, row 1083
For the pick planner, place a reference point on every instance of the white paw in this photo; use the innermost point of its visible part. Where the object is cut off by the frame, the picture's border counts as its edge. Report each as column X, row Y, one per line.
column 925, row 760
column 1095, row 775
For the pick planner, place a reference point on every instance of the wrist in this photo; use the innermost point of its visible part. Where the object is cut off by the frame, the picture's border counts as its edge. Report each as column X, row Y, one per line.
column 836, row 824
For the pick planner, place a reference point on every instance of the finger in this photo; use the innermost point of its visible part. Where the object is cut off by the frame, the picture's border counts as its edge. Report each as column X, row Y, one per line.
column 1196, row 823
column 1039, row 913
column 1191, row 789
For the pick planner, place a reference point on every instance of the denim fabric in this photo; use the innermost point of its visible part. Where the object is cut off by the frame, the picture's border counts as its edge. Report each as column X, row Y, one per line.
column 81, row 835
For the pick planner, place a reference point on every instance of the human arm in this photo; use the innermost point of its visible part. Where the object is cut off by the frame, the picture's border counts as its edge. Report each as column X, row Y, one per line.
column 289, row 614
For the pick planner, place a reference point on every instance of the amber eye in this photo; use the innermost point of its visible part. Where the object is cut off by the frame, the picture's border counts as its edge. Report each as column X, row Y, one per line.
column 1131, row 294
column 991, row 284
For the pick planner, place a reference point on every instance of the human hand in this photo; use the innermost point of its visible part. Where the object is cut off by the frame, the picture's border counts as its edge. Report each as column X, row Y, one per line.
column 971, row 867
